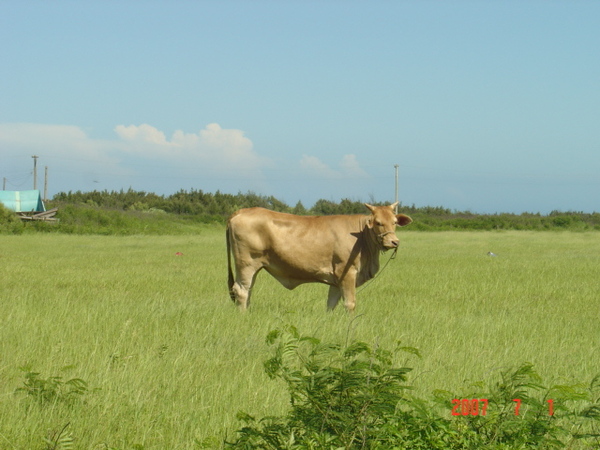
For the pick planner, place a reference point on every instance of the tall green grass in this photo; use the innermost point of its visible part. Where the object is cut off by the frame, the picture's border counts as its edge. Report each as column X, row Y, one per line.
column 168, row 360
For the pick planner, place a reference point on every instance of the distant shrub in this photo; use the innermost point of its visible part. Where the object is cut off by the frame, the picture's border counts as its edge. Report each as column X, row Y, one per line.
column 9, row 222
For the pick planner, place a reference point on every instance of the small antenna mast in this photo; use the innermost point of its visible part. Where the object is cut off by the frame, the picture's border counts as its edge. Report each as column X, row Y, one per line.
column 396, row 167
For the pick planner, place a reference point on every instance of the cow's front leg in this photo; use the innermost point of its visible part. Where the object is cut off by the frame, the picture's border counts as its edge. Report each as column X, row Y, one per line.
column 334, row 297
column 348, row 286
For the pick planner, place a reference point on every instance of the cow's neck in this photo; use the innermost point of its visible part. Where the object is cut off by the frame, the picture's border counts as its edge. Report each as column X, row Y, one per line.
column 369, row 260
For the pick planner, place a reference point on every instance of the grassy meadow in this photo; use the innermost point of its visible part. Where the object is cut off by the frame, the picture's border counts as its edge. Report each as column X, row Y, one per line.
column 169, row 361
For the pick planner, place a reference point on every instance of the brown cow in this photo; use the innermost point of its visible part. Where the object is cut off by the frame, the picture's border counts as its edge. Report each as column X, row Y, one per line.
column 340, row 251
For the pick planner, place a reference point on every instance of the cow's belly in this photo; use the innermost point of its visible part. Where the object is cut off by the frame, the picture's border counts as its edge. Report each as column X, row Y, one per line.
column 291, row 277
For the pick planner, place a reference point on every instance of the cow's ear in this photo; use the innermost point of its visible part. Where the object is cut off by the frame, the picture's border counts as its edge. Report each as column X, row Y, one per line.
column 371, row 207
column 403, row 220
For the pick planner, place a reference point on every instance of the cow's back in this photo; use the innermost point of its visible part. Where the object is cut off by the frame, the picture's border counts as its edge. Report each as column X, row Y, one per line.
column 260, row 227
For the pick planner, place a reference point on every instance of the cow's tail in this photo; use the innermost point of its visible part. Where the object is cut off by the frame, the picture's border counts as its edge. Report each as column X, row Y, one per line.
column 230, row 280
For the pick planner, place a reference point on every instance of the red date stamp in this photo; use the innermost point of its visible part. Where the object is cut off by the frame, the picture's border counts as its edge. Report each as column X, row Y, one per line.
column 478, row 406
column 469, row 407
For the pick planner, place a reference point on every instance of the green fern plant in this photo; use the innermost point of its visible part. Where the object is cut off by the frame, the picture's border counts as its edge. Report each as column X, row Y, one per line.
column 588, row 426
column 59, row 439
column 52, row 389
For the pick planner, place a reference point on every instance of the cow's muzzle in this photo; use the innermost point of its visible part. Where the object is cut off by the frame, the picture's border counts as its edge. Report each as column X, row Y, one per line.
column 391, row 243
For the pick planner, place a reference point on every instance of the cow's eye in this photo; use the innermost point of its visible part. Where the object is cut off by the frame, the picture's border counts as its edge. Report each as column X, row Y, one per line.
column 379, row 223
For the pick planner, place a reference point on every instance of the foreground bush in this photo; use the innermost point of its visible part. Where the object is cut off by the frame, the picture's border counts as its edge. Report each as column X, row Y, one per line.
column 352, row 397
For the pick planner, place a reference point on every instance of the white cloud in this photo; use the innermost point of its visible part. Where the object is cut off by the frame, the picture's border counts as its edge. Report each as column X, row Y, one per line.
column 144, row 133
column 138, row 155
column 35, row 135
column 314, row 166
column 54, row 141
column 348, row 168
column 75, row 161
column 212, row 148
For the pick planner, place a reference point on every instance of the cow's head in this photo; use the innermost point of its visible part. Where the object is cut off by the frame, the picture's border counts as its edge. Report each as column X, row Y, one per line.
column 383, row 223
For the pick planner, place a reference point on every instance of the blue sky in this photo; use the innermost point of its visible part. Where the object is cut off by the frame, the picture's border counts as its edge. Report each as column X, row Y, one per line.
column 487, row 106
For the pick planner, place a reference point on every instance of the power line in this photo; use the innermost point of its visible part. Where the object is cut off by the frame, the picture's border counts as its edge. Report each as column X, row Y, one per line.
column 18, row 184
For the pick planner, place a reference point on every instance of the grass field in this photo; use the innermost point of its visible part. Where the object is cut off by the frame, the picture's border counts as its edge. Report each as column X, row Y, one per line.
column 168, row 360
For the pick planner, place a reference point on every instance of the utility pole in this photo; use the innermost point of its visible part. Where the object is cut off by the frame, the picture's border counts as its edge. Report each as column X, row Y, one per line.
column 4, row 184
column 35, row 157
column 46, row 184
column 396, row 167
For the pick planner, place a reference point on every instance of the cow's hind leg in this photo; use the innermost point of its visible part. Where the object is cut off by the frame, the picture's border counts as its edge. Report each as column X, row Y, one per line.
column 240, row 292
column 333, row 298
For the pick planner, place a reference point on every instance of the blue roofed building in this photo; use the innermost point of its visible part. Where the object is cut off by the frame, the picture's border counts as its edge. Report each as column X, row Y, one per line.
column 27, row 204
column 22, row 201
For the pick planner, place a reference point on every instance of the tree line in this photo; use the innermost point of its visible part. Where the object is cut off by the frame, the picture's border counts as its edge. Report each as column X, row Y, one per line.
column 217, row 206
